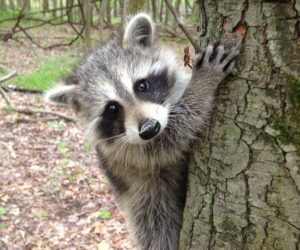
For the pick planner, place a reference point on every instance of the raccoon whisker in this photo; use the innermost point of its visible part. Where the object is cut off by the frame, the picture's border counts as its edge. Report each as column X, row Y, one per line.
column 112, row 137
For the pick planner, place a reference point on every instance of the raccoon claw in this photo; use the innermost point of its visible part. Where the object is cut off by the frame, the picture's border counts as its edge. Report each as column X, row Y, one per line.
column 214, row 61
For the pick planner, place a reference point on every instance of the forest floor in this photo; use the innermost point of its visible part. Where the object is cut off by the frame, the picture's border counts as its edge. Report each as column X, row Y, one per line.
column 52, row 192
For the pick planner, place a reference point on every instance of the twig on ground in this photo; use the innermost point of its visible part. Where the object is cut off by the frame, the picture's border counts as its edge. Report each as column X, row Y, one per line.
column 22, row 90
column 5, row 96
column 182, row 27
column 8, row 76
column 31, row 111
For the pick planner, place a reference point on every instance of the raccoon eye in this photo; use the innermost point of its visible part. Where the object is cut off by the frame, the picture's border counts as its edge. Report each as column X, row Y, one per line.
column 142, row 85
column 112, row 108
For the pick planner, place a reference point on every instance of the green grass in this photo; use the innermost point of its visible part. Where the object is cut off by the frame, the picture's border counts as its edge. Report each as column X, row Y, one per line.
column 52, row 70
column 8, row 14
column 5, row 14
column 2, row 211
column 104, row 214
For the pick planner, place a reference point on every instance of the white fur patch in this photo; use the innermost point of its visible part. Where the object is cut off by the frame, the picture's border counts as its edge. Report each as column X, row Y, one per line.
column 132, row 134
column 90, row 130
column 148, row 111
column 126, row 80
column 108, row 91
column 182, row 81
column 157, row 112
column 157, row 67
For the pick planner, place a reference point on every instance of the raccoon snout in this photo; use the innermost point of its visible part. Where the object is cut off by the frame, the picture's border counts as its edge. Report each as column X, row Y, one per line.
column 148, row 129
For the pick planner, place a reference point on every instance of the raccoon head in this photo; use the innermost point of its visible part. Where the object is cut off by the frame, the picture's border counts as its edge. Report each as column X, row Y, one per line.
column 124, row 89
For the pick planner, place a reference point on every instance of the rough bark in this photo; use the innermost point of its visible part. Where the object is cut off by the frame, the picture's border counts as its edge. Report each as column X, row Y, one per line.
column 244, row 182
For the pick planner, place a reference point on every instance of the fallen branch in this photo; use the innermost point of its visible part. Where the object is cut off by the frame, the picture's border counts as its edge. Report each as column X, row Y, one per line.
column 8, row 76
column 182, row 27
column 5, row 96
column 31, row 111
column 22, row 90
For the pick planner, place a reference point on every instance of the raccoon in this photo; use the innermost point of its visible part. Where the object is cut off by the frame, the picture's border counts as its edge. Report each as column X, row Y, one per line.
column 143, row 112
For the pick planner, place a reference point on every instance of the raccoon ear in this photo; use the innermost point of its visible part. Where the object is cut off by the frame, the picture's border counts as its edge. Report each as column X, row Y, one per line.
column 140, row 30
column 65, row 92
column 62, row 94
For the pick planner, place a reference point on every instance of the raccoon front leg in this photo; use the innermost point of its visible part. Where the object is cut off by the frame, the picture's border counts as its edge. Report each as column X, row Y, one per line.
column 154, row 206
column 210, row 67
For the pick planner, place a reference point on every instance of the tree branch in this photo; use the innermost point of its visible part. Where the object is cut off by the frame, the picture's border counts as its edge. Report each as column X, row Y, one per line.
column 8, row 76
column 22, row 90
column 182, row 27
column 31, row 111
column 5, row 96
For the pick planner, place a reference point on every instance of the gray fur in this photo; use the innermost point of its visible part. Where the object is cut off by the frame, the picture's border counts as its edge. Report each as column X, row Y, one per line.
column 149, row 177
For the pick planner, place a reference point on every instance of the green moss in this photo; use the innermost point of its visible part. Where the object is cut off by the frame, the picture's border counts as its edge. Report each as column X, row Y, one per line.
column 289, row 123
column 229, row 232
column 270, row 92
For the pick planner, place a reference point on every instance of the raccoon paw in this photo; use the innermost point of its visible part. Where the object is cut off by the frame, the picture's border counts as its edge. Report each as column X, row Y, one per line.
column 214, row 63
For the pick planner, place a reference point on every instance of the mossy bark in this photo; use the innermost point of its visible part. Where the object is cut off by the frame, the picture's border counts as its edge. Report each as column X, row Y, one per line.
column 244, row 181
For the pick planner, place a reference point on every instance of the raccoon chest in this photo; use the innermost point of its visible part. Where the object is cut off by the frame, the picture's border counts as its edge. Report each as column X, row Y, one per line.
column 167, row 188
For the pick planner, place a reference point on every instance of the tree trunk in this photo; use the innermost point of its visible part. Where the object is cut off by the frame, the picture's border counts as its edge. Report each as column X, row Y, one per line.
column 177, row 6
column 12, row 5
column 2, row 5
column 135, row 5
column 108, row 15
column 161, row 11
column 124, row 11
column 45, row 5
column 195, row 8
column 154, row 9
column 69, row 10
column 87, row 22
column 54, row 7
column 244, row 181
column 167, row 14
column 61, row 9
column 78, row 15
column 20, row 4
column 101, row 20
column 115, row 8
column 27, row 5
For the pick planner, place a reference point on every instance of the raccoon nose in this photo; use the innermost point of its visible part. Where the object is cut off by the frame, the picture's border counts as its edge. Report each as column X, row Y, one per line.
column 148, row 129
